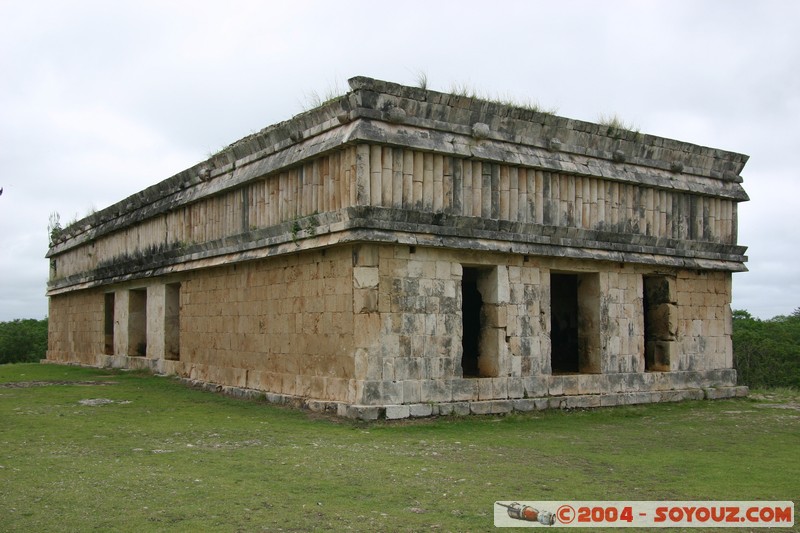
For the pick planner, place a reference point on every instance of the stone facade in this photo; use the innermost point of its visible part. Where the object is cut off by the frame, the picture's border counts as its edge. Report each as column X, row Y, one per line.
column 401, row 252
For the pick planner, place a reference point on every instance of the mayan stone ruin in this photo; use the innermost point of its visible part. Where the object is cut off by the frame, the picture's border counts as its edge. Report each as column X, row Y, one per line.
column 403, row 252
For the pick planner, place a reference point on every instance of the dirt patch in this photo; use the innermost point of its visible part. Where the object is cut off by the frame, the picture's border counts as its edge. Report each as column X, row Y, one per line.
column 792, row 406
column 27, row 384
column 95, row 401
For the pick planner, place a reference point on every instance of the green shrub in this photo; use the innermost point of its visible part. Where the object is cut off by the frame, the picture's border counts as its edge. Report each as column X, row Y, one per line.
column 23, row 341
column 766, row 353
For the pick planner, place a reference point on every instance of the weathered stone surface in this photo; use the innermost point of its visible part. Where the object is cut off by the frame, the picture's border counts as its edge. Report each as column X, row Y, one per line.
column 397, row 411
column 481, row 407
column 420, row 409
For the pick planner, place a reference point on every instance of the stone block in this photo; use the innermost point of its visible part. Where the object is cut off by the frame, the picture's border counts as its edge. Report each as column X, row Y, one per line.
column 443, row 409
column 443, row 269
column 392, row 392
column 501, row 406
column 394, row 412
column 367, row 328
column 365, row 277
column 614, row 382
column 516, row 389
column 435, row 390
column 366, row 255
column 609, row 400
column 460, row 408
column 365, row 300
column 633, row 381
column 720, row 377
column 360, row 363
column 480, row 408
column 343, row 410
column 364, row 412
column 534, row 386
column 420, row 409
column 317, row 406
column 369, row 392
column 485, row 390
column 388, row 368
column 569, row 384
column 524, row 405
column 406, row 368
column 277, row 399
column 499, row 388
column 412, row 391
column 558, row 402
column 642, row 397
column 336, row 389
column 555, row 386
column 464, row 389
column 579, row 402
column 592, row 384
column 374, row 367
column 288, row 384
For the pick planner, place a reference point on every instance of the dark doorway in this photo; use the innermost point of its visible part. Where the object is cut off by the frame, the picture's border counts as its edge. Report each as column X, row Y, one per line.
column 109, row 324
column 172, row 322
column 137, row 322
column 471, row 309
column 564, row 322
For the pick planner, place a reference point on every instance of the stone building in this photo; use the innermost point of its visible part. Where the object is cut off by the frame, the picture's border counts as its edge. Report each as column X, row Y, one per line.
column 404, row 252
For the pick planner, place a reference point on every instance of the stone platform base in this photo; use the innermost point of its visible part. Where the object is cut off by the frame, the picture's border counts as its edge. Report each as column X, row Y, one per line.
column 565, row 392
column 394, row 412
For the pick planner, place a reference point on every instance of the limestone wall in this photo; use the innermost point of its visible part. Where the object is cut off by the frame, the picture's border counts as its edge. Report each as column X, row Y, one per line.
column 375, row 325
column 704, row 320
column 75, row 327
column 283, row 325
column 416, row 316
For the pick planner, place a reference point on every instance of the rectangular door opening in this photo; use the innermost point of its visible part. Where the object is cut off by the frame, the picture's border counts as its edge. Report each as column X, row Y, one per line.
column 137, row 323
column 575, row 323
column 471, row 311
column 108, row 320
column 564, row 322
column 172, row 322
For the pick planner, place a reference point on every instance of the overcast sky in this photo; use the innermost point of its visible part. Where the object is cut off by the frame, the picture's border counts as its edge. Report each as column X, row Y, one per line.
column 100, row 99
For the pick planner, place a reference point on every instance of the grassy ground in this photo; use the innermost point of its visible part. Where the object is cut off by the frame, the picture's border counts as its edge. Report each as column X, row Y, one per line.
column 160, row 456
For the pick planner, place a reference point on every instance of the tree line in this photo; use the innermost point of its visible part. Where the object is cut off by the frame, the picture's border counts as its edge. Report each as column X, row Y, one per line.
column 766, row 353
column 23, row 341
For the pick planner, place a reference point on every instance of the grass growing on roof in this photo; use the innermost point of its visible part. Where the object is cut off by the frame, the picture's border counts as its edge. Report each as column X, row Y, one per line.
column 154, row 455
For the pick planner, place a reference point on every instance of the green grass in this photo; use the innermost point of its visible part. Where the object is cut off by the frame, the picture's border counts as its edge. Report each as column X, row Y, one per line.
column 616, row 126
column 165, row 457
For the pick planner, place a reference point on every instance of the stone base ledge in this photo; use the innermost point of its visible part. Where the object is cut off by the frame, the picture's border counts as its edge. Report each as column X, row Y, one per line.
column 487, row 407
column 559, row 397
column 483, row 407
